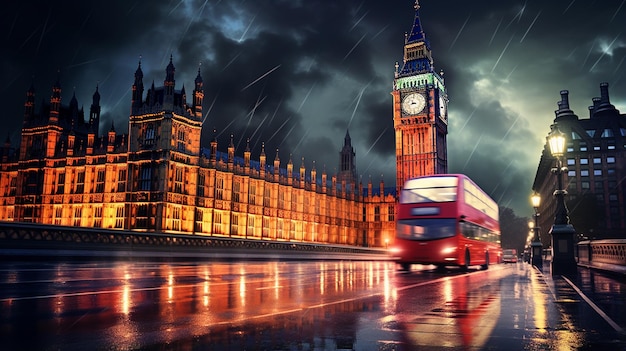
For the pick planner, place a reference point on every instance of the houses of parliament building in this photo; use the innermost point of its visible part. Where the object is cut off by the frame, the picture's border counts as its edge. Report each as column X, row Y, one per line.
column 159, row 178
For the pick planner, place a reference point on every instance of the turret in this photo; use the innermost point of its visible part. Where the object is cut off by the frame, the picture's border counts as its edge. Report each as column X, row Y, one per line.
column 168, row 84
column 111, row 139
column 6, row 150
column 231, row 154
column 137, row 90
column 74, row 113
column 29, row 104
column 198, row 96
column 262, row 161
column 213, row 156
column 276, row 167
column 313, row 178
column 71, row 140
column 324, row 180
column 246, row 157
column 302, row 174
column 289, row 171
column 55, row 102
column 94, row 113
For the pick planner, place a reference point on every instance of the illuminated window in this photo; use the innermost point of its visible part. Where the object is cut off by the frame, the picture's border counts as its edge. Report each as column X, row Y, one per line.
column 237, row 191
column 142, row 219
column 97, row 217
column 201, row 182
column 60, row 183
column 281, row 200
column 252, row 193
column 219, row 188
column 391, row 213
column 12, row 186
column 120, row 214
column 376, row 213
column 571, row 161
column 217, row 223
column 597, row 172
column 199, row 219
column 584, row 161
column 597, row 160
column 610, row 159
column 121, row 181
column 266, row 227
column 145, row 178
column 181, row 140
column 58, row 215
column 607, row 133
column 176, row 218
column 267, row 196
column 584, row 173
column 80, row 182
column 149, row 136
column 178, row 180
column 279, row 229
column 78, row 214
column 100, row 181
column 251, row 225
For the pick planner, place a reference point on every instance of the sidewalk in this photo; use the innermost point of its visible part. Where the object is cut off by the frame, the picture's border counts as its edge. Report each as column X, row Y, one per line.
column 544, row 312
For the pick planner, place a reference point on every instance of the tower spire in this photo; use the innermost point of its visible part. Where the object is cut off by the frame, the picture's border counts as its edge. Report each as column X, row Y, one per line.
column 417, row 54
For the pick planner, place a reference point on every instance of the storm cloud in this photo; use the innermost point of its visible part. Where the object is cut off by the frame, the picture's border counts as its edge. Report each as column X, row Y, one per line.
column 295, row 75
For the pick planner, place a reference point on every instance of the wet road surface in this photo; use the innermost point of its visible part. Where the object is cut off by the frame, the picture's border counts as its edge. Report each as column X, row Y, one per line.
column 334, row 305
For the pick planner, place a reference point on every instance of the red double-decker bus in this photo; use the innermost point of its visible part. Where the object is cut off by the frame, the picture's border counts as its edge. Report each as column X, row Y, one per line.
column 446, row 220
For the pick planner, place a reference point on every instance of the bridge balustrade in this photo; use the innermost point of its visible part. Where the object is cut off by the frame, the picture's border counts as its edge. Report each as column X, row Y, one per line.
column 607, row 254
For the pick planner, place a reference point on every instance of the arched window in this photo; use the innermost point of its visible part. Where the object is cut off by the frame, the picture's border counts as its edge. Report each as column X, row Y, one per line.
column 149, row 136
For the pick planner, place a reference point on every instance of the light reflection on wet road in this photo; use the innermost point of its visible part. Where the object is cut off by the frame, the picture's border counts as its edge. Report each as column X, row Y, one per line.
column 246, row 305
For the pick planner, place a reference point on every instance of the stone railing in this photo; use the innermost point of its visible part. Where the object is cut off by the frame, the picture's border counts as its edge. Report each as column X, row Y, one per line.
column 36, row 239
column 607, row 254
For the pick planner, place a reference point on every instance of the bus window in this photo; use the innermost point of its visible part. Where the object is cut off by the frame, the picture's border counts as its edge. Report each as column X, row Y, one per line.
column 425, row 229
column 437, row 189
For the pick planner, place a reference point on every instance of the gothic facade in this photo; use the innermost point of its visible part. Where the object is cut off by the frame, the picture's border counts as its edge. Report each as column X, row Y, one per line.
column 159, row 178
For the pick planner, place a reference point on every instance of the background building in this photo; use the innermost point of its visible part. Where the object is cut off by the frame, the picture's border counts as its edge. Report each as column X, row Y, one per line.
column 158, row 178
column 596, row 162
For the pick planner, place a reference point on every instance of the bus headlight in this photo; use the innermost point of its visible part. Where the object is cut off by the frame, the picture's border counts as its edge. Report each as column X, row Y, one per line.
column 448, row 250
column 395, row 250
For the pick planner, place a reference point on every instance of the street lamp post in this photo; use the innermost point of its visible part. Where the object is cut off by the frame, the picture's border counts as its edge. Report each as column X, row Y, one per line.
column 562, row 232
column 536, row 247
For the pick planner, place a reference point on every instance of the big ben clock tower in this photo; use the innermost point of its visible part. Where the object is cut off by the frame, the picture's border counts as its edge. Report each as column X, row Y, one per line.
column 420, row 116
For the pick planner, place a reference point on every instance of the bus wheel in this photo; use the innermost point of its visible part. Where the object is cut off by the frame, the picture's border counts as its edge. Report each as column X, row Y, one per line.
column 405, row 267
column 486, row 265
column 465, row 266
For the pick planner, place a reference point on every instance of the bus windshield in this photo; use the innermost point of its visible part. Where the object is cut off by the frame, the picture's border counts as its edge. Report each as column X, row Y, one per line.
column 426, row 229
column 432, row 189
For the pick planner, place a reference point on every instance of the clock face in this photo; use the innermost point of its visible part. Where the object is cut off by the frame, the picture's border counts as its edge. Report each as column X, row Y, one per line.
column 442, row 107
column 413, row 103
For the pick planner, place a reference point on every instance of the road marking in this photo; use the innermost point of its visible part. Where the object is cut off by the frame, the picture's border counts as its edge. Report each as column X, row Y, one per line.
column 595, row 307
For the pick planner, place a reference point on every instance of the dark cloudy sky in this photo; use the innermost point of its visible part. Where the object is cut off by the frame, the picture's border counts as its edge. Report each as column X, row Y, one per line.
column 296, row 74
